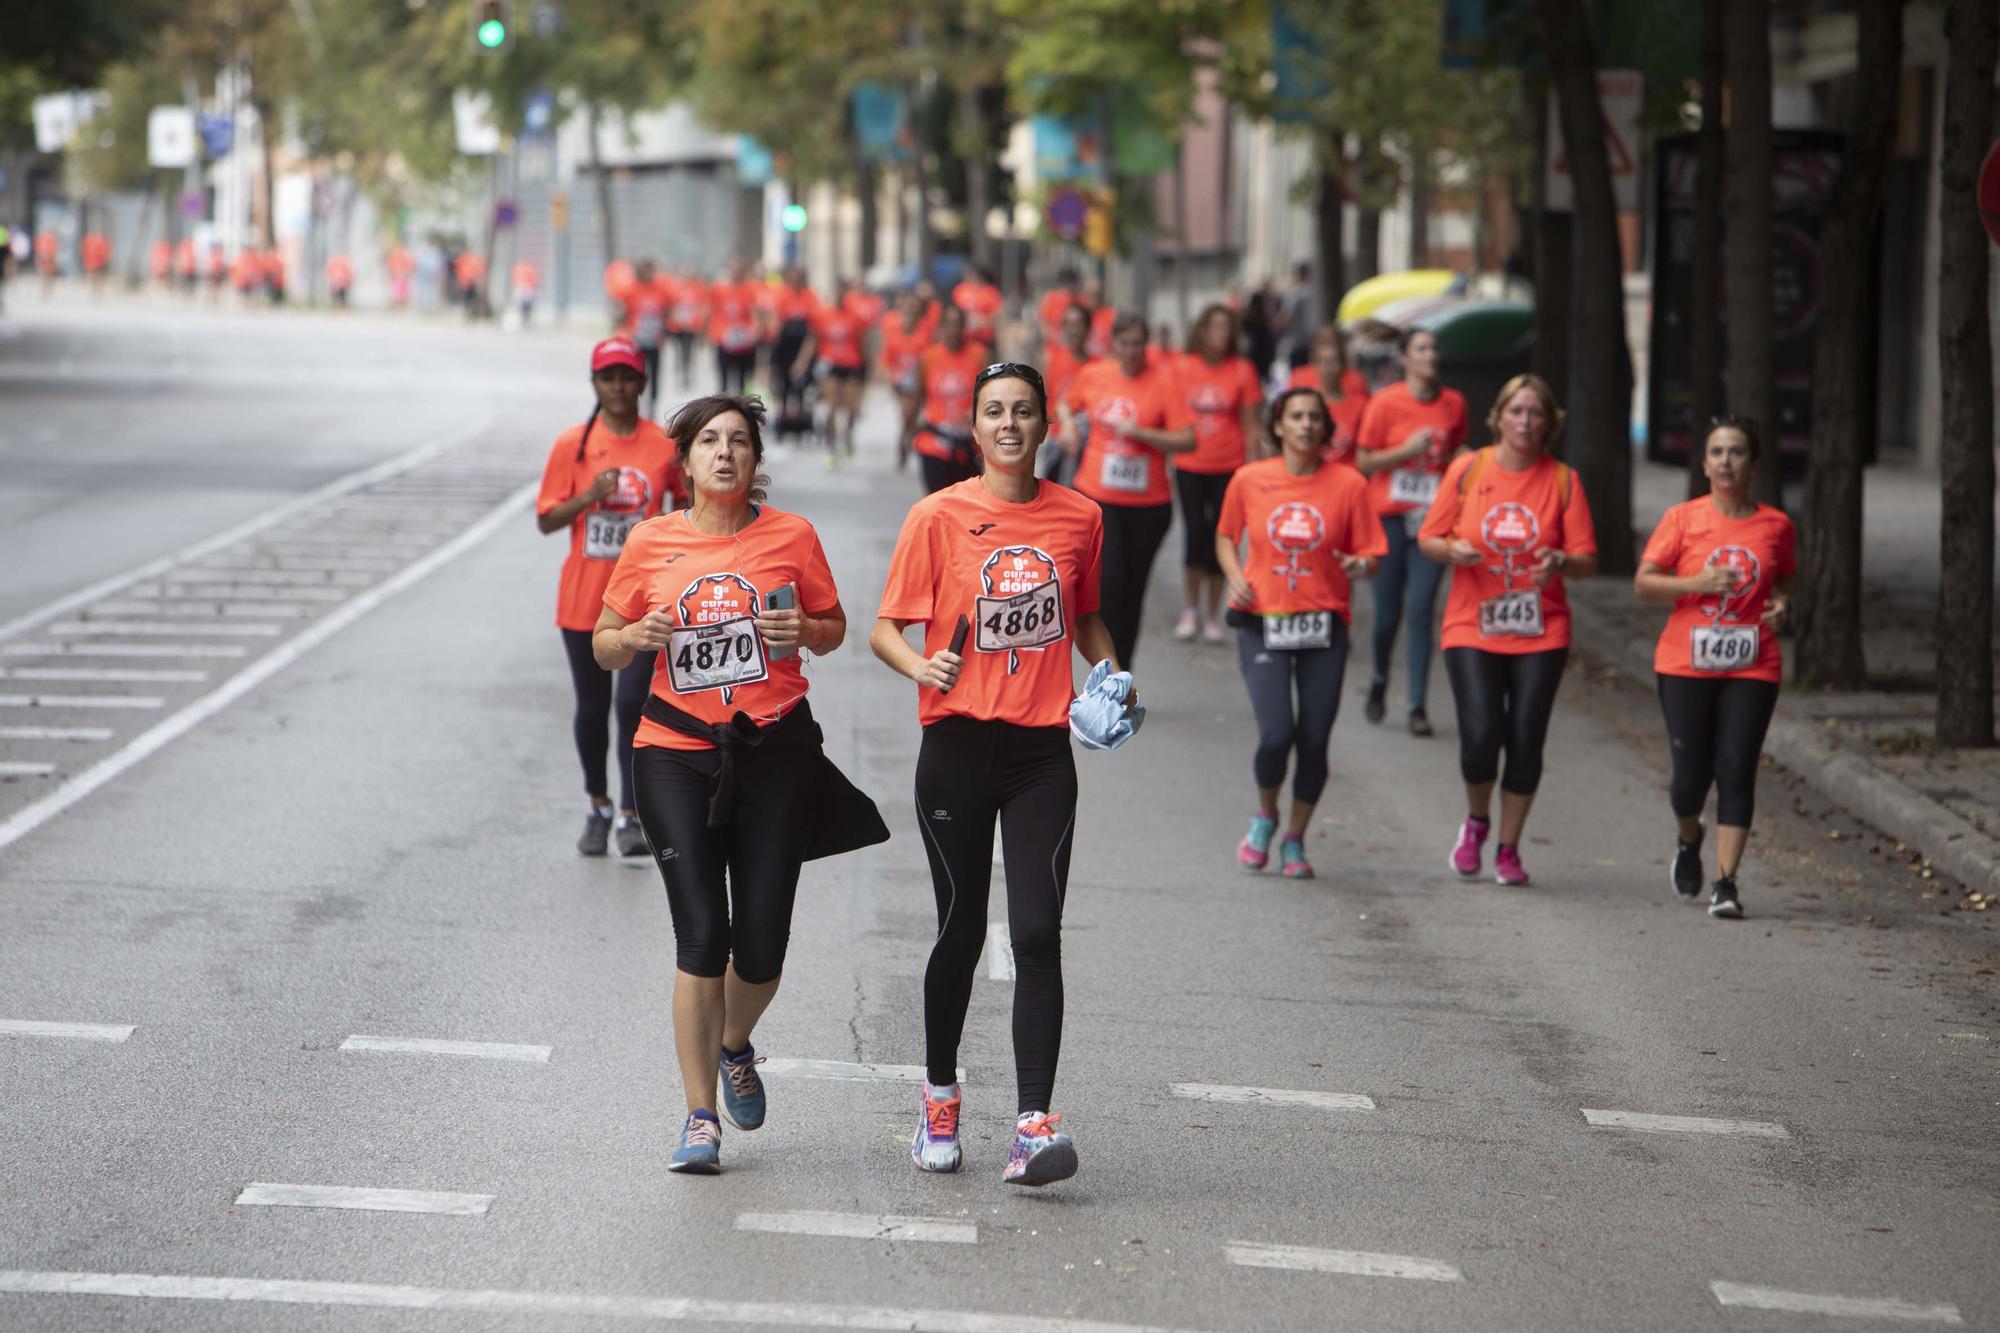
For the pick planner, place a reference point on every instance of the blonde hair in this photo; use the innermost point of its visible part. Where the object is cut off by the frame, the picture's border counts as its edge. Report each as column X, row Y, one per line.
column 1540, row 388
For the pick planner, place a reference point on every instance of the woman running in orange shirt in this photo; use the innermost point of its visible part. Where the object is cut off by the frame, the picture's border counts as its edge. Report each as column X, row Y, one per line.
column 905, row 334
column 944, row 439
column 1062, row 361
column 1343, row 387
column 1223, row 399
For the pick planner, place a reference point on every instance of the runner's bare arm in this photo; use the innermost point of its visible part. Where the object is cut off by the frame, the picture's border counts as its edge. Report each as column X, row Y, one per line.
column 1256, row 446
column 564, row 514
column 1240, row 595
column 1166, row 441
column 939, row 671
column 616, row 640
column 1654, row 584
column 1551, row 561
column 1377, row 460
column 790, row 627
column 1779, row 609
column 1449, row 550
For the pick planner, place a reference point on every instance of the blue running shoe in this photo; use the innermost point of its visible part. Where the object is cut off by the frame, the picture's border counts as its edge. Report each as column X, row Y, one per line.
column 742, row 1090
column 700, row 1153
column 936, row 1146
column 1254, row 852
column 1040, row 1156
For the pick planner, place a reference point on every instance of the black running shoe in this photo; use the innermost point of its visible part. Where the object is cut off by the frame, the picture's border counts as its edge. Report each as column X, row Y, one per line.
column 632, row 839
column 1420, row 723
column 1722, row 899
column 1378, row 703
column 595, row 839
column 1686, row 873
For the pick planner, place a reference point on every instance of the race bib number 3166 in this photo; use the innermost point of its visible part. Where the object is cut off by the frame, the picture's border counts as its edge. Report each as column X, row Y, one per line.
column 714, row 657
column 1304, row 629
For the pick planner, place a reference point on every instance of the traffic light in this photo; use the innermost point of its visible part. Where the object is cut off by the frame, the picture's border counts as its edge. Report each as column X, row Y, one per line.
column 793, row 219
column 491, row 29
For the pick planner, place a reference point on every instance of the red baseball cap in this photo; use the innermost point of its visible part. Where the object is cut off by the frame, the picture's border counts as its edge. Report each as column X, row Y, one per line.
column 617, row 352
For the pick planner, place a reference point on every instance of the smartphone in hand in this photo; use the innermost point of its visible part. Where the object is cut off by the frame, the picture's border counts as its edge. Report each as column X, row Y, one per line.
column 783, row 599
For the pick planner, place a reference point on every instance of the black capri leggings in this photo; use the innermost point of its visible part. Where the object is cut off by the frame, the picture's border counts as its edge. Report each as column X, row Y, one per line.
column 1715, row 731
column 594, row 691
column 1270, row 675
column 745, row 914
column 1504, row 702
column 733, row 369
column 1132, row 537
column 968, row 772
column 1201, row 510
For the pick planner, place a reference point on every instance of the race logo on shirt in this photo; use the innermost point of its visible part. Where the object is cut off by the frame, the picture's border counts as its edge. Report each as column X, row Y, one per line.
column 715, row 598
column 633, row 496
column 1209, row 403
column 952, row 384
column 1022, row 610
column 1297, row 529
column 1115, row 412
column 1511, row 531
column 1744, row 564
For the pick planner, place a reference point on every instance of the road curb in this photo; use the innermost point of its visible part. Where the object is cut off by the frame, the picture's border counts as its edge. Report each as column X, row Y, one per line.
column 1953, row 846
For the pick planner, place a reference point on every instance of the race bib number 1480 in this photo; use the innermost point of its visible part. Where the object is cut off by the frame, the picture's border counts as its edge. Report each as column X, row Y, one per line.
column 1723, row 647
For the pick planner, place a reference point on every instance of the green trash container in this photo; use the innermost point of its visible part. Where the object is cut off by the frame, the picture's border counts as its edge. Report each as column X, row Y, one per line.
column 1481, row 345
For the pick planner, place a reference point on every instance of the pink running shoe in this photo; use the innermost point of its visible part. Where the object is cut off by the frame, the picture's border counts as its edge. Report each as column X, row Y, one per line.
column 1507, row 867
column 1254, row 852
column 1466, row 857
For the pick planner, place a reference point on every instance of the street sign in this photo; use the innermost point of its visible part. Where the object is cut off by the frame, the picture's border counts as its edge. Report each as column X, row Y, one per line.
column 58, row 116
column 1619, row 92
column 1988, row 193
column 170, row 137
column 506, row 213
column 473, row 121
column 1067, row 211
column 218, row 135
column 194, row 205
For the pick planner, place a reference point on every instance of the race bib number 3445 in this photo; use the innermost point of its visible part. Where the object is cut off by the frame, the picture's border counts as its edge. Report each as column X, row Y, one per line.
column 1518, row 614
column 714, row 657
column 1032, row 619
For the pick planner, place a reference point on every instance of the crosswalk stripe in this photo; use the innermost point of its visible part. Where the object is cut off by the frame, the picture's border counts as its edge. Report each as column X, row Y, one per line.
column 999, row 952
column 25, row 768
column 842, row 1071
column 119, row 675
column 55, row 733
column 80, row 701
column 23, row 1027
column 166, row 650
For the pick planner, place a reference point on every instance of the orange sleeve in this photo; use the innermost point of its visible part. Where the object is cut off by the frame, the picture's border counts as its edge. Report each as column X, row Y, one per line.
column 626, row 593
column 817, row 593
column 1461, row 427
column 910, row 593
column 1579, row 533
column 1089, row 587
column 1230, row 521
column 558, row 477
column 1374, row 432
column 1079, row 385
column 1443, row 515
column 1663, row 548
column 1366, row 524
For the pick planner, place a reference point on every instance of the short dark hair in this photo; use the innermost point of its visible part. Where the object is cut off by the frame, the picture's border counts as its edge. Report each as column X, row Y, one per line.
column 1276, row 412
column 1404, row 337
column 1130, row 319
column 1745, row 426
column 696, row 413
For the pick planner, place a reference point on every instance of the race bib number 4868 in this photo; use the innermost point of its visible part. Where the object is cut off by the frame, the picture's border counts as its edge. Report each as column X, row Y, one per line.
column 714, row 657
column 1032, row 619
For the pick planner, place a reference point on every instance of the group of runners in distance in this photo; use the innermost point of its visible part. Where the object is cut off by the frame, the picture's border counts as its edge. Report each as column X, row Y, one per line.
column 688, row 603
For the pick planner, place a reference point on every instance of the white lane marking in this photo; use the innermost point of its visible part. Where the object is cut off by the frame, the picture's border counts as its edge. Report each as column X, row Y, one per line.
column 369, row 1200
column 168, row 650
column 487, row 1050
column 188, row 591
column 1845, row 1307
column 194, row 609
column 1327, row 1101
column 354, row 481
column 55, row 733
column 33, row 816
column 544, row 1305
column 999, row 952
column 1356, row 1263
column 165, row 629
column 121, row 675
column 1682, row 1124
column 23, row 1027
column 857, row 1226
column 80, row 701
column 25, row 768
column 842, row 1071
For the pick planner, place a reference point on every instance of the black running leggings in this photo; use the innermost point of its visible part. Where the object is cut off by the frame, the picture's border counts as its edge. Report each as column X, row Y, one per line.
column 1715, row 731
column 968, row 772
column 1201, row 509
column 683, row 353
column 1270, row 675
column 1504, row 702
column 730, row 888
column 594, row 689
column 1132, row 537
column 733, row 369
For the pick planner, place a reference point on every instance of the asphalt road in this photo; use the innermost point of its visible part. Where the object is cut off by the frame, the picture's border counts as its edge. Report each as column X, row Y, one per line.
column 375, row 841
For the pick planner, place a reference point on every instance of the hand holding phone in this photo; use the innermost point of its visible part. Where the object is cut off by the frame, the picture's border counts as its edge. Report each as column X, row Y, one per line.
column 783, row 599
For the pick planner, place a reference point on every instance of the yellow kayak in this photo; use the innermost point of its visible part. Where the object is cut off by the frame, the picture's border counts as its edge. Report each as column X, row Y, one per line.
column 1365, row 298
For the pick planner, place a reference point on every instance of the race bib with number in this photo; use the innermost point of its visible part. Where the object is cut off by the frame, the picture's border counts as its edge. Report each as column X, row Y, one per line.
column 1032, row 619
column 1302, row 629
column 646, row 330
column 1512, row 613
column 715, row 657
column 735, row 340
column 1723, row 647
column 1412, row 486
column 1126, row 472
column 604, row 533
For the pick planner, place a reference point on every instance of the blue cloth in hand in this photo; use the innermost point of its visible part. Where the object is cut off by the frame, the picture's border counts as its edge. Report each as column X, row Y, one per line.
column 1098, row 716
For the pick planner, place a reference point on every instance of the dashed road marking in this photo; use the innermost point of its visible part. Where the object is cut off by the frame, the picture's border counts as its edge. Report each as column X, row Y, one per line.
column 111, row 675
column 1683, row 1124
column 55, row 733
column 25, row 768
column 1840, row 1307
column 484, row 1050
column 543, row 1305
column 858, row 1226
column 1326, row 1101
column 370, row 1200
column 841, row 1071
column 168, row 650
column 999, row 952
column 80, row 701
column 23, row 1027
column 140, row 629
column 1355, row 1263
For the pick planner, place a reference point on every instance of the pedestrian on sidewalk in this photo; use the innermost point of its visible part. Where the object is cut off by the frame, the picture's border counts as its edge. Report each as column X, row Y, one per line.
column 1002, row 614
column 1512, row 523
column 1726, row 563
column 735, row 792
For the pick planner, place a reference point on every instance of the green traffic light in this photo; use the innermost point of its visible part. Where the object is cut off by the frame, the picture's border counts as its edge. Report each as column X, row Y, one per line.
column 492, row 34
column 794, row 217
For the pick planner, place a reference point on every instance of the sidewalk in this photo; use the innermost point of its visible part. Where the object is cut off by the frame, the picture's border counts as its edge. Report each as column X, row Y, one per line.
column 1871, row 753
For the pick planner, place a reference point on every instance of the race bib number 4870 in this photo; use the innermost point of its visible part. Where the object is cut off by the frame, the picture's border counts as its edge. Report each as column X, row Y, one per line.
column 714, row 657
column 1518, row 614
column 1723, row 647
column 1032, row 619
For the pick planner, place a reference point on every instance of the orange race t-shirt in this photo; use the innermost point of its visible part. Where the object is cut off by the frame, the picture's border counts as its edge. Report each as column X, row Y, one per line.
column 646, row 305
column 839, row 331
column 902, row 349
column 981, row 302
column 716, row 664
column 1213, row 398
column 1115, row 469
column 96, row 252
column 649, row 478
column 790, row 303
column 1298, row 527
column 1389, row 419
column 1021, row 574
column 1508, row 516
column 1049, row 314
column 864, row 306
column 1101, row 320
column 1722, row 635
column 733, row 308
column 1060, row 367
column 688, row 311
column 948, row 378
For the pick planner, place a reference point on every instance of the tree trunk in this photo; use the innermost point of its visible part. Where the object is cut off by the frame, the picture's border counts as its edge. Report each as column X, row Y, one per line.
column 1705, row 338
column 978, row 181
column 606, row 231
column 1752, row 391
column 1367, row 217
column 926, row 238
column 868, row 189
column 1182, row 295
column 1329, row 217
column 1600, row 428
column 1965, row 332
column 1553, row 256
column 267, row 133
column 1420, row 212
column 1829, row 622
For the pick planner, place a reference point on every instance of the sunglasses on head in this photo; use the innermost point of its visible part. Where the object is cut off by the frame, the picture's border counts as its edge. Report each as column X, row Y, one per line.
column 1009, row 370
